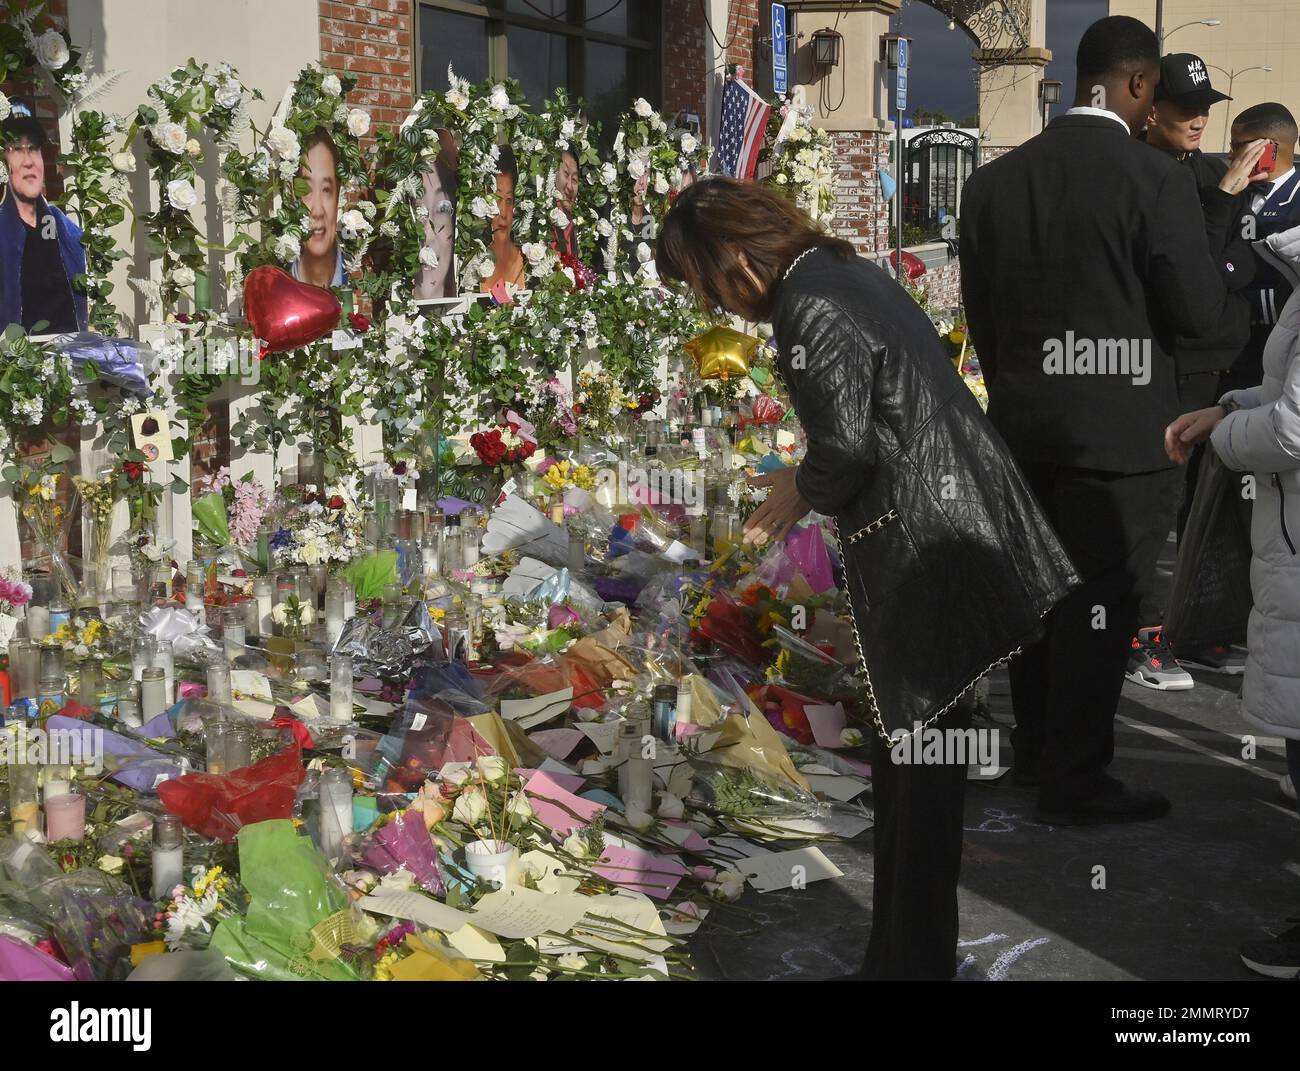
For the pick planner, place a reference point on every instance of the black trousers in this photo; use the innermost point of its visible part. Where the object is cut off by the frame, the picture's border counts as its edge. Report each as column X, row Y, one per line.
column 1064, row 689
column 918, row 835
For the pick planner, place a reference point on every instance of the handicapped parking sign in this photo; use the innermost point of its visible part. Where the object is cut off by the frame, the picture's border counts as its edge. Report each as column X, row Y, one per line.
column 779, row 71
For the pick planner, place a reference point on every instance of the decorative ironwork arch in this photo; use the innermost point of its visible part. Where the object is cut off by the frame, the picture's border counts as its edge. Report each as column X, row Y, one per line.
column 1001, row 28
column 937, row 165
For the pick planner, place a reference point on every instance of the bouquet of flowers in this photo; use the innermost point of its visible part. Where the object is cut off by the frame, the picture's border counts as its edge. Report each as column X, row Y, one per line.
column 195, row 909
column 14, row 593
column 247, row 502
column 323, row 528
column 82, row 636
column 41, row 493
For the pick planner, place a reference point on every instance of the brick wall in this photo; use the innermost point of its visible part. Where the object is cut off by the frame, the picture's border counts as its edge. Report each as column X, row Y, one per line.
column 738, row 35
column 942, row 283
column 861, row 214
column 374, row 40
column 683, row 57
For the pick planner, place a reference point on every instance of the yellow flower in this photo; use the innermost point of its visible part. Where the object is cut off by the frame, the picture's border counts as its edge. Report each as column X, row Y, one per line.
column 583, row 477
column 437, row 613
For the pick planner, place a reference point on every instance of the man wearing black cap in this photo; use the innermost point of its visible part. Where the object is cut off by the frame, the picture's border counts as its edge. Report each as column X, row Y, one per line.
column 40, row 248
column 1179, row 116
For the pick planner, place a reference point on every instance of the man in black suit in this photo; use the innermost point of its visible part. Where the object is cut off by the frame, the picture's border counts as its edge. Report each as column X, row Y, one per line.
column 1178, row 120
column 1079, row 268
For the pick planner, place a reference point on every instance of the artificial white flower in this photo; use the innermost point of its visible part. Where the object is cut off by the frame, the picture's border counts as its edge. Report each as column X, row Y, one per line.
column 576, row 845
column 604, row 227
column 354, row 222
column 500, row 98
column 170, row 137
column 283, row 142
column 193, row 147
column 331, row 86
column 123, row 162
column 642, row 108
column 311, row 553
column 183, row 276
column 52, row 50
column 228, row 94
column 689, row 144
column 428, row 258
column 608, row 173
column 535, row 252
column 181, row 195
column 285, row 248
column 637, row 166
column 482, row 208
column 644, row 254
column 851, row 737
column 781, row 178
column 457, row 99
column 661, row 185
column 491, row 767
column 470, row 807
column 559, row 218
column 568, row 128
column 5, row 107
column 358, row 123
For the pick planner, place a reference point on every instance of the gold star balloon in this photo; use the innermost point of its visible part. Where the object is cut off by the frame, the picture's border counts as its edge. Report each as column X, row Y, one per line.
column 721, row 353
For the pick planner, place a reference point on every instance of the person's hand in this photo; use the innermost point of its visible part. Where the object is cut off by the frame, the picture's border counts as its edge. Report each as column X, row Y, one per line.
column 1243, row 170
column 781, row 511
column 1190, row 429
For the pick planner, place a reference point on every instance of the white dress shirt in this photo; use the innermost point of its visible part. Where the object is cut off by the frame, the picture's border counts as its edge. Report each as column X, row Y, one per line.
column 1100, row 111
column 1258, row 200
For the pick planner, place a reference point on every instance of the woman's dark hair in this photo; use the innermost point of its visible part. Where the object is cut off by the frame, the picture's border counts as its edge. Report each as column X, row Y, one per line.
column 713, row 221
column 506, row 164
column 321, row 136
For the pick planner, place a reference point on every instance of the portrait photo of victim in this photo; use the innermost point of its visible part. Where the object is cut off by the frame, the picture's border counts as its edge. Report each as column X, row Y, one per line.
column 507, row 257
column 437, row 275
column 40, row 248
column 320, row 260
column 566, row 186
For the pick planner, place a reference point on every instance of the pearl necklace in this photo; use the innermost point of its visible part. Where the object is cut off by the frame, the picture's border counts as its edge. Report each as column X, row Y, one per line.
column 795, row 263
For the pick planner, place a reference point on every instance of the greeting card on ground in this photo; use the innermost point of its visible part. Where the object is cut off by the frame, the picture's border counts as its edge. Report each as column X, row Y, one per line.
column 556, row 808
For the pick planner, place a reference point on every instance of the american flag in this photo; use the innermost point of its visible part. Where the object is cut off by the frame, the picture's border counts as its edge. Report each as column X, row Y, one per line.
column 744, row 123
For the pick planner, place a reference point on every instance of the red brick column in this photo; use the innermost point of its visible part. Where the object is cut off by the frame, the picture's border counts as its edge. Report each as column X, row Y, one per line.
column 374, row 40
column 683, row 58
column 861, row 214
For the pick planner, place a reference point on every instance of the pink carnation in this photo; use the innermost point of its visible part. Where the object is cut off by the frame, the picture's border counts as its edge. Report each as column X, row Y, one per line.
column 15, row 592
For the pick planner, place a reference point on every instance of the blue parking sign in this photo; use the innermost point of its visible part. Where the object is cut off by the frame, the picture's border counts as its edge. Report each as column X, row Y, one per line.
column 779, row 74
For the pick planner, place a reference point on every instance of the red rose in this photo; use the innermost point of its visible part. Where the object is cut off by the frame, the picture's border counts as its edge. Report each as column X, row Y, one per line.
column 133, row 469
column 359, row 323
column 400, row 468
column 335, row 502
column 529, row 449
column 577, row 410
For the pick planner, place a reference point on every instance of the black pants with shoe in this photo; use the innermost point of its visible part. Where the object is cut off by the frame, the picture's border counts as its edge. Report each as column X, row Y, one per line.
column 1064, row 689
column 918, row 836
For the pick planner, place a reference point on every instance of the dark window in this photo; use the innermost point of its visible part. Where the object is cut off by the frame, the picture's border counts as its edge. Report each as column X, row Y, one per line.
column 602, row 50
column 451, row 39
column 539, row 60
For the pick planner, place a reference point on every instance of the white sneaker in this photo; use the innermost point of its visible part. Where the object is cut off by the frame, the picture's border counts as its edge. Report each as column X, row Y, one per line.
column 1288, row 787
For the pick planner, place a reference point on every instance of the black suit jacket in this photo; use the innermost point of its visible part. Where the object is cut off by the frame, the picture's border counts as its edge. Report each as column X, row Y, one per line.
column 1085, row 237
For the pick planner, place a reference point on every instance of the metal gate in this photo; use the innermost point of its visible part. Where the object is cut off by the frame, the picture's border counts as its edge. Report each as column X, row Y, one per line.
column 938, row 164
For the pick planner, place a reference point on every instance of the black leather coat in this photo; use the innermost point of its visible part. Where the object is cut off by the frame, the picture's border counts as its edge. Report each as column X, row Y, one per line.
column 950, row 563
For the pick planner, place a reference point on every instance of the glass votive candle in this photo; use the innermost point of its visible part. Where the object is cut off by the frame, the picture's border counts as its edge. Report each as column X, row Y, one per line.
column 65, row 816
column 232, row 631
column 163, row 657
column 219, row 682
column 341, row 688
column 239, row 747
column 153, row 693
column 214, row 745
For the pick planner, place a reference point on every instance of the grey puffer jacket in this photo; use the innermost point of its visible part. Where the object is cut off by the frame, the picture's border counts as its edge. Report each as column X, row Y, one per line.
column 950, row 564
column 1263, row 437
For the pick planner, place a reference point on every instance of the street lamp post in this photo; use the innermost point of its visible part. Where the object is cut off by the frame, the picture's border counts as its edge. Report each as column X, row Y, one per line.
column 1049, row 93
column 1232, row 77
column 1162, row 34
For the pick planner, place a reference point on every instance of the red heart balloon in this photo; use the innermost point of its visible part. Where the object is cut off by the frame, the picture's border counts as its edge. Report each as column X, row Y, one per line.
column 285, row 313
